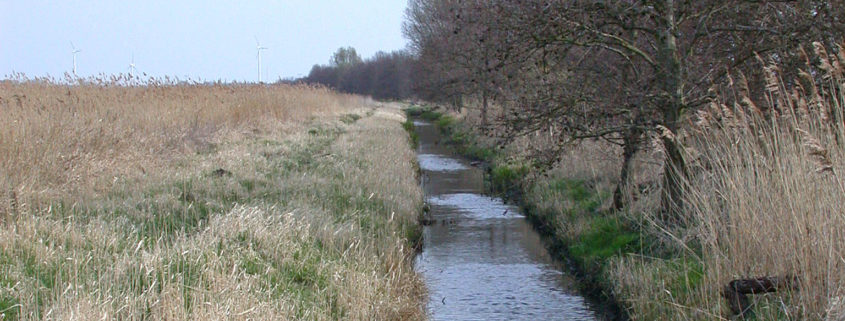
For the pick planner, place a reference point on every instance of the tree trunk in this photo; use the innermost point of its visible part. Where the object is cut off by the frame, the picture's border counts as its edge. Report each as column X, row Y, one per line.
column 631, row 143
column 484, row 109
column 458, row 103
column 674, row 172
column 484, row 93
column 671, row 101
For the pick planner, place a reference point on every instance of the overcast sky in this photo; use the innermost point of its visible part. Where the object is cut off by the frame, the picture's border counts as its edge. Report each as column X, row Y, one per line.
column 199, row 39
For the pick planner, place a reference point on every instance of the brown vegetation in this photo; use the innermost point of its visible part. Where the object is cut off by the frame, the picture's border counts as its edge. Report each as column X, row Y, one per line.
column 58, row 138
column 113, row 205
column 764, row 200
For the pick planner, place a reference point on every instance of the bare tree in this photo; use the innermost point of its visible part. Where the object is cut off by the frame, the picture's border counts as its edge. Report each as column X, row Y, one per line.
column 383, row 76
column 611, row 69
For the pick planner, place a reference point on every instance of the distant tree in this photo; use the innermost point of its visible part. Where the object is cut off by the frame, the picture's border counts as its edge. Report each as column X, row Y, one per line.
column 345, row 58
column 324, row 75
column 430, row 26
column 384, row 76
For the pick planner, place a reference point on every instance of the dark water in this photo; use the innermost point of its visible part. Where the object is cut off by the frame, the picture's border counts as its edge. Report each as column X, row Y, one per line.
column 481, row 259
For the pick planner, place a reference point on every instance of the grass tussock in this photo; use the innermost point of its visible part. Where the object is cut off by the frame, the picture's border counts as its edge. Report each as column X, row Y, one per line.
column 205, row 202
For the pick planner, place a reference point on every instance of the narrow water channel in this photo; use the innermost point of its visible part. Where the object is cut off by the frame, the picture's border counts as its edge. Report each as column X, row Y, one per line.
column 481, row 259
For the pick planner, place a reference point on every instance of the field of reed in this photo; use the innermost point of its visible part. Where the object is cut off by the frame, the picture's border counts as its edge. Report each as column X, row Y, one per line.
column 185, row 202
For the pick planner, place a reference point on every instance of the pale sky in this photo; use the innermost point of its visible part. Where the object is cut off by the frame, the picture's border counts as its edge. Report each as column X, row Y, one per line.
column 201, row 40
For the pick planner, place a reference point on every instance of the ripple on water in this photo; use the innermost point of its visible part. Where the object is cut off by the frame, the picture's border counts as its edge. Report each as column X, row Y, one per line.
column 438, row 163
column 502, row 292
column 476, row 205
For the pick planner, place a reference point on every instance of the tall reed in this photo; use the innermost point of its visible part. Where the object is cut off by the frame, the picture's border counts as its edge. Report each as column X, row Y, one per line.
column 766, row 196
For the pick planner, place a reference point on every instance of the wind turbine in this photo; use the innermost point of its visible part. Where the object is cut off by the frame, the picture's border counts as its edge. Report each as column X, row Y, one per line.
column 258, row 49
column 74, row 52
column 132, row 69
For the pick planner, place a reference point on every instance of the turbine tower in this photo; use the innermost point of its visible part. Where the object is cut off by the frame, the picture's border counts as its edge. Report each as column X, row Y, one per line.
column 132, row 69
column 258, row 49
column 73, row 52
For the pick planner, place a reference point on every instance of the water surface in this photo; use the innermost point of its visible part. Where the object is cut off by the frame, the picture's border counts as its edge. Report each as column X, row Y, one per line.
column 481, row 259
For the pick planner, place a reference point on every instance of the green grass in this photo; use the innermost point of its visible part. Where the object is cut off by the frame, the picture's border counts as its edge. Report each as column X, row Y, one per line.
column 606, row 237
column 431, row 115
column 423, row 112
column 688, row 273
column 188, row 274
column 414, row 110
column 443, row 121
column 10, row 307
column 350, row 118
column 584, row 199
column 481, row 153
column 504, row 178
column 409, row 127
column 464, row 141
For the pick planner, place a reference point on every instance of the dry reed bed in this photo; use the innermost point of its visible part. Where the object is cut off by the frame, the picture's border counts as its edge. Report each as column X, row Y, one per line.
column 765, row 200
column 310, row 219
column 58, row 138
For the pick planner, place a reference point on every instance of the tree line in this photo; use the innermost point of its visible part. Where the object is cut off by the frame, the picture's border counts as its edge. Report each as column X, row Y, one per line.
column 385, row 76
column 611, row 70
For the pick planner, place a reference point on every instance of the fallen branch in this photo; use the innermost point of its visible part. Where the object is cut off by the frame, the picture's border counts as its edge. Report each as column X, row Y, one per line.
column 737, row 291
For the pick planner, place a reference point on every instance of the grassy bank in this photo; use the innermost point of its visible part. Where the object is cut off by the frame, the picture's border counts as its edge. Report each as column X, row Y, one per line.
column 205, row 202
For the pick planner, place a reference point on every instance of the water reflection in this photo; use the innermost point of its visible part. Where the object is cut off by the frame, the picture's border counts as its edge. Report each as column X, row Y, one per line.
column 432, row 162
column 481, row 259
